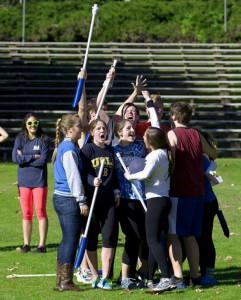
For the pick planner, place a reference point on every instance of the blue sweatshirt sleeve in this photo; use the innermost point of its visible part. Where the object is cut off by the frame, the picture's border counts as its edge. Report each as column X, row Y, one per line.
column 21, row 160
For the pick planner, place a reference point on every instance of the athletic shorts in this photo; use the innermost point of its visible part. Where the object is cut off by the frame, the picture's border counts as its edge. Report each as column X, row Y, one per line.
column 186, row 215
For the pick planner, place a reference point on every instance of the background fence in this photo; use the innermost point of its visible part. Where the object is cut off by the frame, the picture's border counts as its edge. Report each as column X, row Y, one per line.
column 41, row 77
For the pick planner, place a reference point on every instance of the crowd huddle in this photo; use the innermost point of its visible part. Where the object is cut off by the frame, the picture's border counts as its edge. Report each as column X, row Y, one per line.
column 155, row 185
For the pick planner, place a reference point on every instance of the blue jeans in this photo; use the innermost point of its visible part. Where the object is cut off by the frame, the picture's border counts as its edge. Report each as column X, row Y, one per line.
column 70, row 220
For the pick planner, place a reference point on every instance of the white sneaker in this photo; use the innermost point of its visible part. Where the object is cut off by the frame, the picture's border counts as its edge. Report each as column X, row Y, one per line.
column 163, row 285
column 84, row 276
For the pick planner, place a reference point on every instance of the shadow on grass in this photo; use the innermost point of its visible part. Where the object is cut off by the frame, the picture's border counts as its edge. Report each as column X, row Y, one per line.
column 50, row 247
column 12, row 247
column 228, row 276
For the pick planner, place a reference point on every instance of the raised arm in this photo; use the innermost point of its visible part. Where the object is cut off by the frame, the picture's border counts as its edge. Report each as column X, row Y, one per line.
column 151, row 109
column 82, row 108
column 109, row 80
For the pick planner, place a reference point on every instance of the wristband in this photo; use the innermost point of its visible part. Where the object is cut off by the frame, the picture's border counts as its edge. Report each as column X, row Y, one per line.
column 150, row 103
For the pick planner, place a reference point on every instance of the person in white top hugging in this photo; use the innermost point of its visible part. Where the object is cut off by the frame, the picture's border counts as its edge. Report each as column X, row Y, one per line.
column 156, row 173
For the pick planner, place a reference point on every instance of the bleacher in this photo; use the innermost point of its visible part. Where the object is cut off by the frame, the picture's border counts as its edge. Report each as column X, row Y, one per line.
column 41, row 77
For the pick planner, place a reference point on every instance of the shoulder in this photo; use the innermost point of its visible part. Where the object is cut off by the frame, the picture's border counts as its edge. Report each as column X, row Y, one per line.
column 109, row 148
column 68, row 145
column 87, row 149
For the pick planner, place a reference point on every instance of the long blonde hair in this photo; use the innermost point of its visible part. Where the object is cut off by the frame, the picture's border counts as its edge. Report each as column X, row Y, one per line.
column 62, row 125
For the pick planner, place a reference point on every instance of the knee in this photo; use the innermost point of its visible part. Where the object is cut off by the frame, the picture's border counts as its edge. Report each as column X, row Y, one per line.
column 41, row 214
column 27, row 215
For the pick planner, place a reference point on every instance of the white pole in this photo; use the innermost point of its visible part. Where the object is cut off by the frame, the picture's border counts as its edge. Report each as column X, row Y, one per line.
column 132, row 183
column 23, row 22
column 225, row 16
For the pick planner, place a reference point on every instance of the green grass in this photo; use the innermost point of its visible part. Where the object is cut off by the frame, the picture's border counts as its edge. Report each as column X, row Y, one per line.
column 228, row 263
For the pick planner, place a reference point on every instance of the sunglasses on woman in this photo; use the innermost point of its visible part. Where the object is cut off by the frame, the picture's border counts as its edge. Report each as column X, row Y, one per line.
column 32, row 123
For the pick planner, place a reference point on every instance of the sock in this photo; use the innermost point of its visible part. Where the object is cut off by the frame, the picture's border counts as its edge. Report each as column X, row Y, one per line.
column 210, row 271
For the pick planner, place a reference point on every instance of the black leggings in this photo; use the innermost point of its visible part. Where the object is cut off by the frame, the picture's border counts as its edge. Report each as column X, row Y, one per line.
column 132, row 221
column 205, row 241
column 156, row 219
column 104, row 220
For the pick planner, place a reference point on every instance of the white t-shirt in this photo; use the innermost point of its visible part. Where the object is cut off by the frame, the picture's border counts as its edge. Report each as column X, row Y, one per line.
column 155, row 174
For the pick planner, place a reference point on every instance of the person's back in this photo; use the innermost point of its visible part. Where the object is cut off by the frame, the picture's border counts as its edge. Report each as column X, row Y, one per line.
column 187, row 178
column 187, row 190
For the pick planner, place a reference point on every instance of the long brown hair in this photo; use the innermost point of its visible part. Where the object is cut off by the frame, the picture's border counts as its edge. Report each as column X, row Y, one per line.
column 119, row 126
column 24, row 132
column 157, row 138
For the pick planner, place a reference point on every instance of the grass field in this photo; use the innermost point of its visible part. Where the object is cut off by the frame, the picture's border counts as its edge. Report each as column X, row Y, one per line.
column 228, row 263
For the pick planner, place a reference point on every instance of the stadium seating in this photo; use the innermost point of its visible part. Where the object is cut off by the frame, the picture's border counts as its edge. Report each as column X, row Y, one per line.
column 41, row 77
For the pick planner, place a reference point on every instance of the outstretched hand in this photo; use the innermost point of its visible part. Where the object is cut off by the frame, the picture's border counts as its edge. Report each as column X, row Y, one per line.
column 139, row 84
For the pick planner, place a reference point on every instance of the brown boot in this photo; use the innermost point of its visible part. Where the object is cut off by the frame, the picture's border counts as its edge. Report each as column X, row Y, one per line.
column 58, row 277
column 66, row 281
column 58, row 274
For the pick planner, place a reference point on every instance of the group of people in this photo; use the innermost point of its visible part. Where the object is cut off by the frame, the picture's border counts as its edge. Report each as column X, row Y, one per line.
column 160, row 206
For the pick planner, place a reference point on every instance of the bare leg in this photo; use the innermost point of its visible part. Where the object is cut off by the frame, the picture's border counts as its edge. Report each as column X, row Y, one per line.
column 106, row 257
column 192, row 251
column 84, row 263
column 175, row 254
column 125, row 271
column 93, row 263
column 27, row 231
column 43, row 229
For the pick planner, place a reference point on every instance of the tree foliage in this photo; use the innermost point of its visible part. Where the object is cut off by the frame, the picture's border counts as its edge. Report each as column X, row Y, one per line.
column 168, row 21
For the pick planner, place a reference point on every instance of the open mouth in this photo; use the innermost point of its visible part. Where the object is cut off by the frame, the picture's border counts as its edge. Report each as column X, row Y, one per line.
column 130, row 118
column 102, row 136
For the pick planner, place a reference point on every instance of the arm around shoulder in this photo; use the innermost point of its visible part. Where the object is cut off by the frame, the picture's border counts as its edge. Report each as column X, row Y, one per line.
column 210, row 151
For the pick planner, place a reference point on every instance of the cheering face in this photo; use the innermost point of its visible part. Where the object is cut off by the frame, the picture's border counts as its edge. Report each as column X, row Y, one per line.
column 127, row 134
column 131, row 115
column 32, row 126
column 99, row 133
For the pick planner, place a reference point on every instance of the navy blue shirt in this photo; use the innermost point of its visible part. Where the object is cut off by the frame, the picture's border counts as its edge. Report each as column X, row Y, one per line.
column 92, row 155
column 31, row 172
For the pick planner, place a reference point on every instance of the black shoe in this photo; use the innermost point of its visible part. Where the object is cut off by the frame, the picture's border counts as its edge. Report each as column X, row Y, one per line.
column 39, row 249
column 189, row 281
column 25, row 248
column 140, row 275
